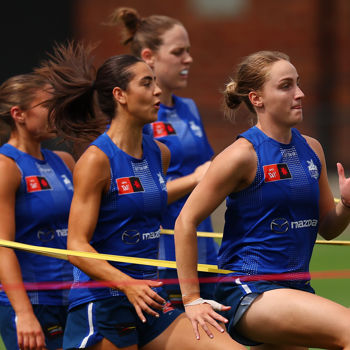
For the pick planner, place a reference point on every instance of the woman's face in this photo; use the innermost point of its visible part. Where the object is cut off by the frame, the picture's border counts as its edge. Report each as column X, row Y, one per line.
column 36, row 116
column 281, row 95
column 142, row 94
column 172, row 60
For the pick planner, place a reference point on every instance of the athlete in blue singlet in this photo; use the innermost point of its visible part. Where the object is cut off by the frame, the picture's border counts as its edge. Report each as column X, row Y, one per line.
column 119, row 197
column 129, row 215
column 35, row 191
column 278, row 198
column 163, row 43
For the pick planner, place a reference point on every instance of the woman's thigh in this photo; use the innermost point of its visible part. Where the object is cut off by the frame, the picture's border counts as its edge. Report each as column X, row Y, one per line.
column 181, row 332
column 105, row 344
column 293, row 317
column 277, row 347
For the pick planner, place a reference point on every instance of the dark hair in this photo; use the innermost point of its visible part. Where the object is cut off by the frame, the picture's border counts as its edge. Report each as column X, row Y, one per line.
column 250, row 76
column 142, row 32
column 83, row 103
column 19, row 90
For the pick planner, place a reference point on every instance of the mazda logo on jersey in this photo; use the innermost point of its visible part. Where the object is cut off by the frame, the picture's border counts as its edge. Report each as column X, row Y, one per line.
column 279, row 225
column 161, row 129
column 131, row 237
column 37, row 183
column 276, row 172
column 128, row 185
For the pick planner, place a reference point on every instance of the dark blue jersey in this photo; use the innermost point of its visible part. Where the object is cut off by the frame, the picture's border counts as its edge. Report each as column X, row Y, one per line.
column 130, row 214
column 180, row 129
column 271, row 226
column 41, row 214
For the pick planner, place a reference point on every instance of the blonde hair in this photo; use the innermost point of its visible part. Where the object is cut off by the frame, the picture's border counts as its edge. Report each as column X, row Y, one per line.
column 250, row 76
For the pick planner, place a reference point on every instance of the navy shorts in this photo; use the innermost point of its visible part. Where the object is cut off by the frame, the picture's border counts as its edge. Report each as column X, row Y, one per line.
column 52, row 319
column 115, row 319
column 240, row 295
column 173, row 289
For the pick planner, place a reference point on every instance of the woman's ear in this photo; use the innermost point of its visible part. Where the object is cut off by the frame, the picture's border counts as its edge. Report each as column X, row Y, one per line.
column 148, row 56
column 119, row 95
column 255, row 99
column 17, row 114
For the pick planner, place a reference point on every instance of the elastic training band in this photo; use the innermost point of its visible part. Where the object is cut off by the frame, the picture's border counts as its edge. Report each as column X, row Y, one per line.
column 63, row 254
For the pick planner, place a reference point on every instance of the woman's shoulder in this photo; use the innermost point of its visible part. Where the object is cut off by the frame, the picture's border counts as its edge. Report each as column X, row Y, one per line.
column 240, row 153
column 10, row 174
column 315, row 145
column 67, row 158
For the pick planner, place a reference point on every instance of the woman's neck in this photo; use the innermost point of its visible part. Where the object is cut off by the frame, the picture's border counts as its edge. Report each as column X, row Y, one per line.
column 127, row 137
column 26, row 145
column 166, row 98
column 281, row 134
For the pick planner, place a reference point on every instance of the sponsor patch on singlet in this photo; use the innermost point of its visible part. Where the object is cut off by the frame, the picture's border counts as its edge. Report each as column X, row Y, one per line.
column 37, row 183
column 161, row 129
column 276, row 172
column 129, row 185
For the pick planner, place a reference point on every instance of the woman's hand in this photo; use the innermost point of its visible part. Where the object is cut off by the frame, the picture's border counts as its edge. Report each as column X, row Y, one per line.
column 344, row 186
column 141, row 295
column 201, row 312
column 29, row 333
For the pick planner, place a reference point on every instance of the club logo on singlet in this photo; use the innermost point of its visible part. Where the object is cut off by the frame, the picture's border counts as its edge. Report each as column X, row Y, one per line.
column 196, row 129
column 313, row 170
column 128, row 185
column 37, row 183
column 161, row 129
column 276, row 172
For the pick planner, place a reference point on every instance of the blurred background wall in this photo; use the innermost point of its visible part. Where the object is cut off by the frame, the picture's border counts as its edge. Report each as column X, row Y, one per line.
column 314, row 33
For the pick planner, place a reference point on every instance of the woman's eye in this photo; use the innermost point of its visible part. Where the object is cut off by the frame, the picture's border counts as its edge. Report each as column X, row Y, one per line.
column 178, row 52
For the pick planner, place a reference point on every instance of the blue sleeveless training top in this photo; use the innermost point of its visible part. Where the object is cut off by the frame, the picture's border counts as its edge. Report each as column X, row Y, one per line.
column 271, row 226
column 180, row 128
column 130, row 214
column 41, row 213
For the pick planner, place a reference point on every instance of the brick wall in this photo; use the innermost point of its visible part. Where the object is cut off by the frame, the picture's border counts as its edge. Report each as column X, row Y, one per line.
column 314, row 33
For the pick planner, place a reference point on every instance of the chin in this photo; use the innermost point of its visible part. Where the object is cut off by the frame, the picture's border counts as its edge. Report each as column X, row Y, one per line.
column 181, row 85
column 296, row 119
column 300, row 119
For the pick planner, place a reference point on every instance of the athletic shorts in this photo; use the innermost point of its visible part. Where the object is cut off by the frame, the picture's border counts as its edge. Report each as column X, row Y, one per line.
column 52, row 319
column 115, row 319
column 207, row 287
column 240, row 295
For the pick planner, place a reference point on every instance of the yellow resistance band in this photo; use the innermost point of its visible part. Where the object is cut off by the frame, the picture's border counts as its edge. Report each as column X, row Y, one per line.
column 63, row 254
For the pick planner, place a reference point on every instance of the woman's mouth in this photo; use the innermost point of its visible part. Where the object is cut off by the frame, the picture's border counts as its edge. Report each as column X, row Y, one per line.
column 184, row 72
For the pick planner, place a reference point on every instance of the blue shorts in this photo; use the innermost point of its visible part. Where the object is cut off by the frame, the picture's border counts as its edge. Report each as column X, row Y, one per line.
column 174, row 292
column 52, row 319
column 115, row 319
column 240, row 295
